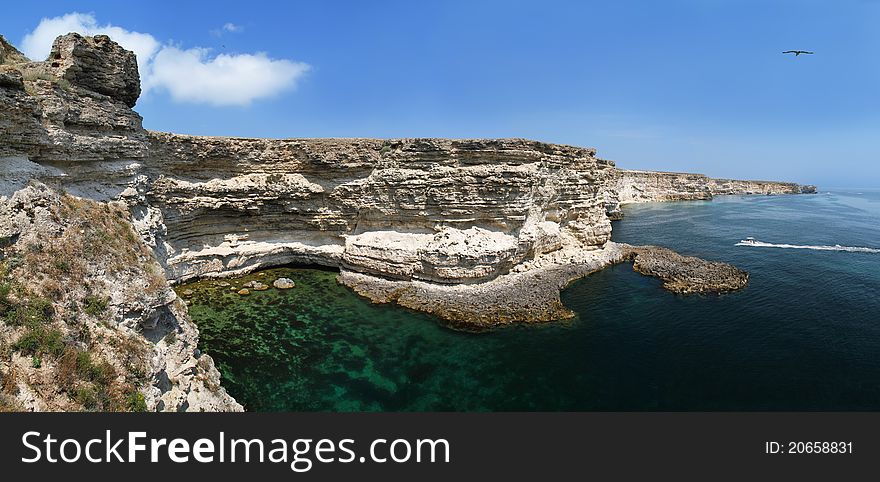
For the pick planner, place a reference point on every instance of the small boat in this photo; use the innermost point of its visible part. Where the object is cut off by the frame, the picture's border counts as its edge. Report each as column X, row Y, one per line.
column 748, row 240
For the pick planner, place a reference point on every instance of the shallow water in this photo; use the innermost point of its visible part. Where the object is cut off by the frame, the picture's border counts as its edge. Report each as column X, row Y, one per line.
column 804, row 335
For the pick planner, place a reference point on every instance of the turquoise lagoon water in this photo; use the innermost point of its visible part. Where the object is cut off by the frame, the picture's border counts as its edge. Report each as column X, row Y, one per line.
column 804, row 335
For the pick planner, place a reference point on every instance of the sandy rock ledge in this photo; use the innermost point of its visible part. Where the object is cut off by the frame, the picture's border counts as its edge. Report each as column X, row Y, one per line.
column 531, row 293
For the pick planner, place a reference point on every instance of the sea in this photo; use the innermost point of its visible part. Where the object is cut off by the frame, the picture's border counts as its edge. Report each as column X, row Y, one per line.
column 803, row 335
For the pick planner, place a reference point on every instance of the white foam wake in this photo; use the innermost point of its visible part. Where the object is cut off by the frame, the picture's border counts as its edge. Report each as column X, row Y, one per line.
column 836, row 247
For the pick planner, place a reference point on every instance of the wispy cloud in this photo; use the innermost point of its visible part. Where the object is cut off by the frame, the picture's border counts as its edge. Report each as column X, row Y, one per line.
column 188, row 75
column 227, row 27
column 231, row 27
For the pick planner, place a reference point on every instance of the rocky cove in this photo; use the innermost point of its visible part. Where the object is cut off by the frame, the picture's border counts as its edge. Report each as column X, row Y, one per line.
column 100, row 217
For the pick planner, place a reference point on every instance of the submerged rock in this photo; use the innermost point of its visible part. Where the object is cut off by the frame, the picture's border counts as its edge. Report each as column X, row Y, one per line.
column 283, row 283
column 256, row 286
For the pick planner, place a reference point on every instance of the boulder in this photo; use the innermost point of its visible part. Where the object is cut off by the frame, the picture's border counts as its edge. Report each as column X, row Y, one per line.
column 283, row 283
column 97, row 64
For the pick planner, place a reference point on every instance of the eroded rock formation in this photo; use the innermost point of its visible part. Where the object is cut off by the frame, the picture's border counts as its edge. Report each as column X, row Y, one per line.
column 87, row 317
column 444, row 211
column 720, row 187
column 631, row 186
column 97, row 64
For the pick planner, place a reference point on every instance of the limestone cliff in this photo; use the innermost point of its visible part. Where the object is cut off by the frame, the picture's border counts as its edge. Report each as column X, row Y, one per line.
column 632, row 186
column 445, row 211
column 87, row 318
column 720, row 187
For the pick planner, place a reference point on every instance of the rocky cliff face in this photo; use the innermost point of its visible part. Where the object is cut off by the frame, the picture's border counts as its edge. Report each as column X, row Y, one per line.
column 98, row 64
column 445, row 211
column 652, row 186
column 720, row 187
column 629, row 186
column 87, row 318
column 58, row 112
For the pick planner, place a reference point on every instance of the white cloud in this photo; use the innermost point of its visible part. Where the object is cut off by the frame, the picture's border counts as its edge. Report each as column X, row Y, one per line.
column 191, row 75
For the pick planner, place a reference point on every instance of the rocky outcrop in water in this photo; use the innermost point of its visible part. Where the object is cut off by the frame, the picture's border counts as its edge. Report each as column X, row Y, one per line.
column 686, row 274
column 529, row 293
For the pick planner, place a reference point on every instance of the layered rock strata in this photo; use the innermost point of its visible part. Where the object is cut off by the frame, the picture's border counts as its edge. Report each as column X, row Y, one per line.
column 527, row 294
column 720, row 187
column 631, row 186
column 436, row 210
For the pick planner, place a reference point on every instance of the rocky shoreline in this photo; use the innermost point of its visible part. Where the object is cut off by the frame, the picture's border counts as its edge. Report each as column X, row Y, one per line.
column 531, row 294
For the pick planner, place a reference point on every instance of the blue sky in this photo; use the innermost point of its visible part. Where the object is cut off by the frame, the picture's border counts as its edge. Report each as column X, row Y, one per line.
column 681, row 85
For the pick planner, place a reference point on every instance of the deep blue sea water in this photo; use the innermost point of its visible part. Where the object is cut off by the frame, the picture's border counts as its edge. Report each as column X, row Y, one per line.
column 804, row 335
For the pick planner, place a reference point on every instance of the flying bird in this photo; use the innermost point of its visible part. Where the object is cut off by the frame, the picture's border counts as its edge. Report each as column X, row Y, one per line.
column 797, row 52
